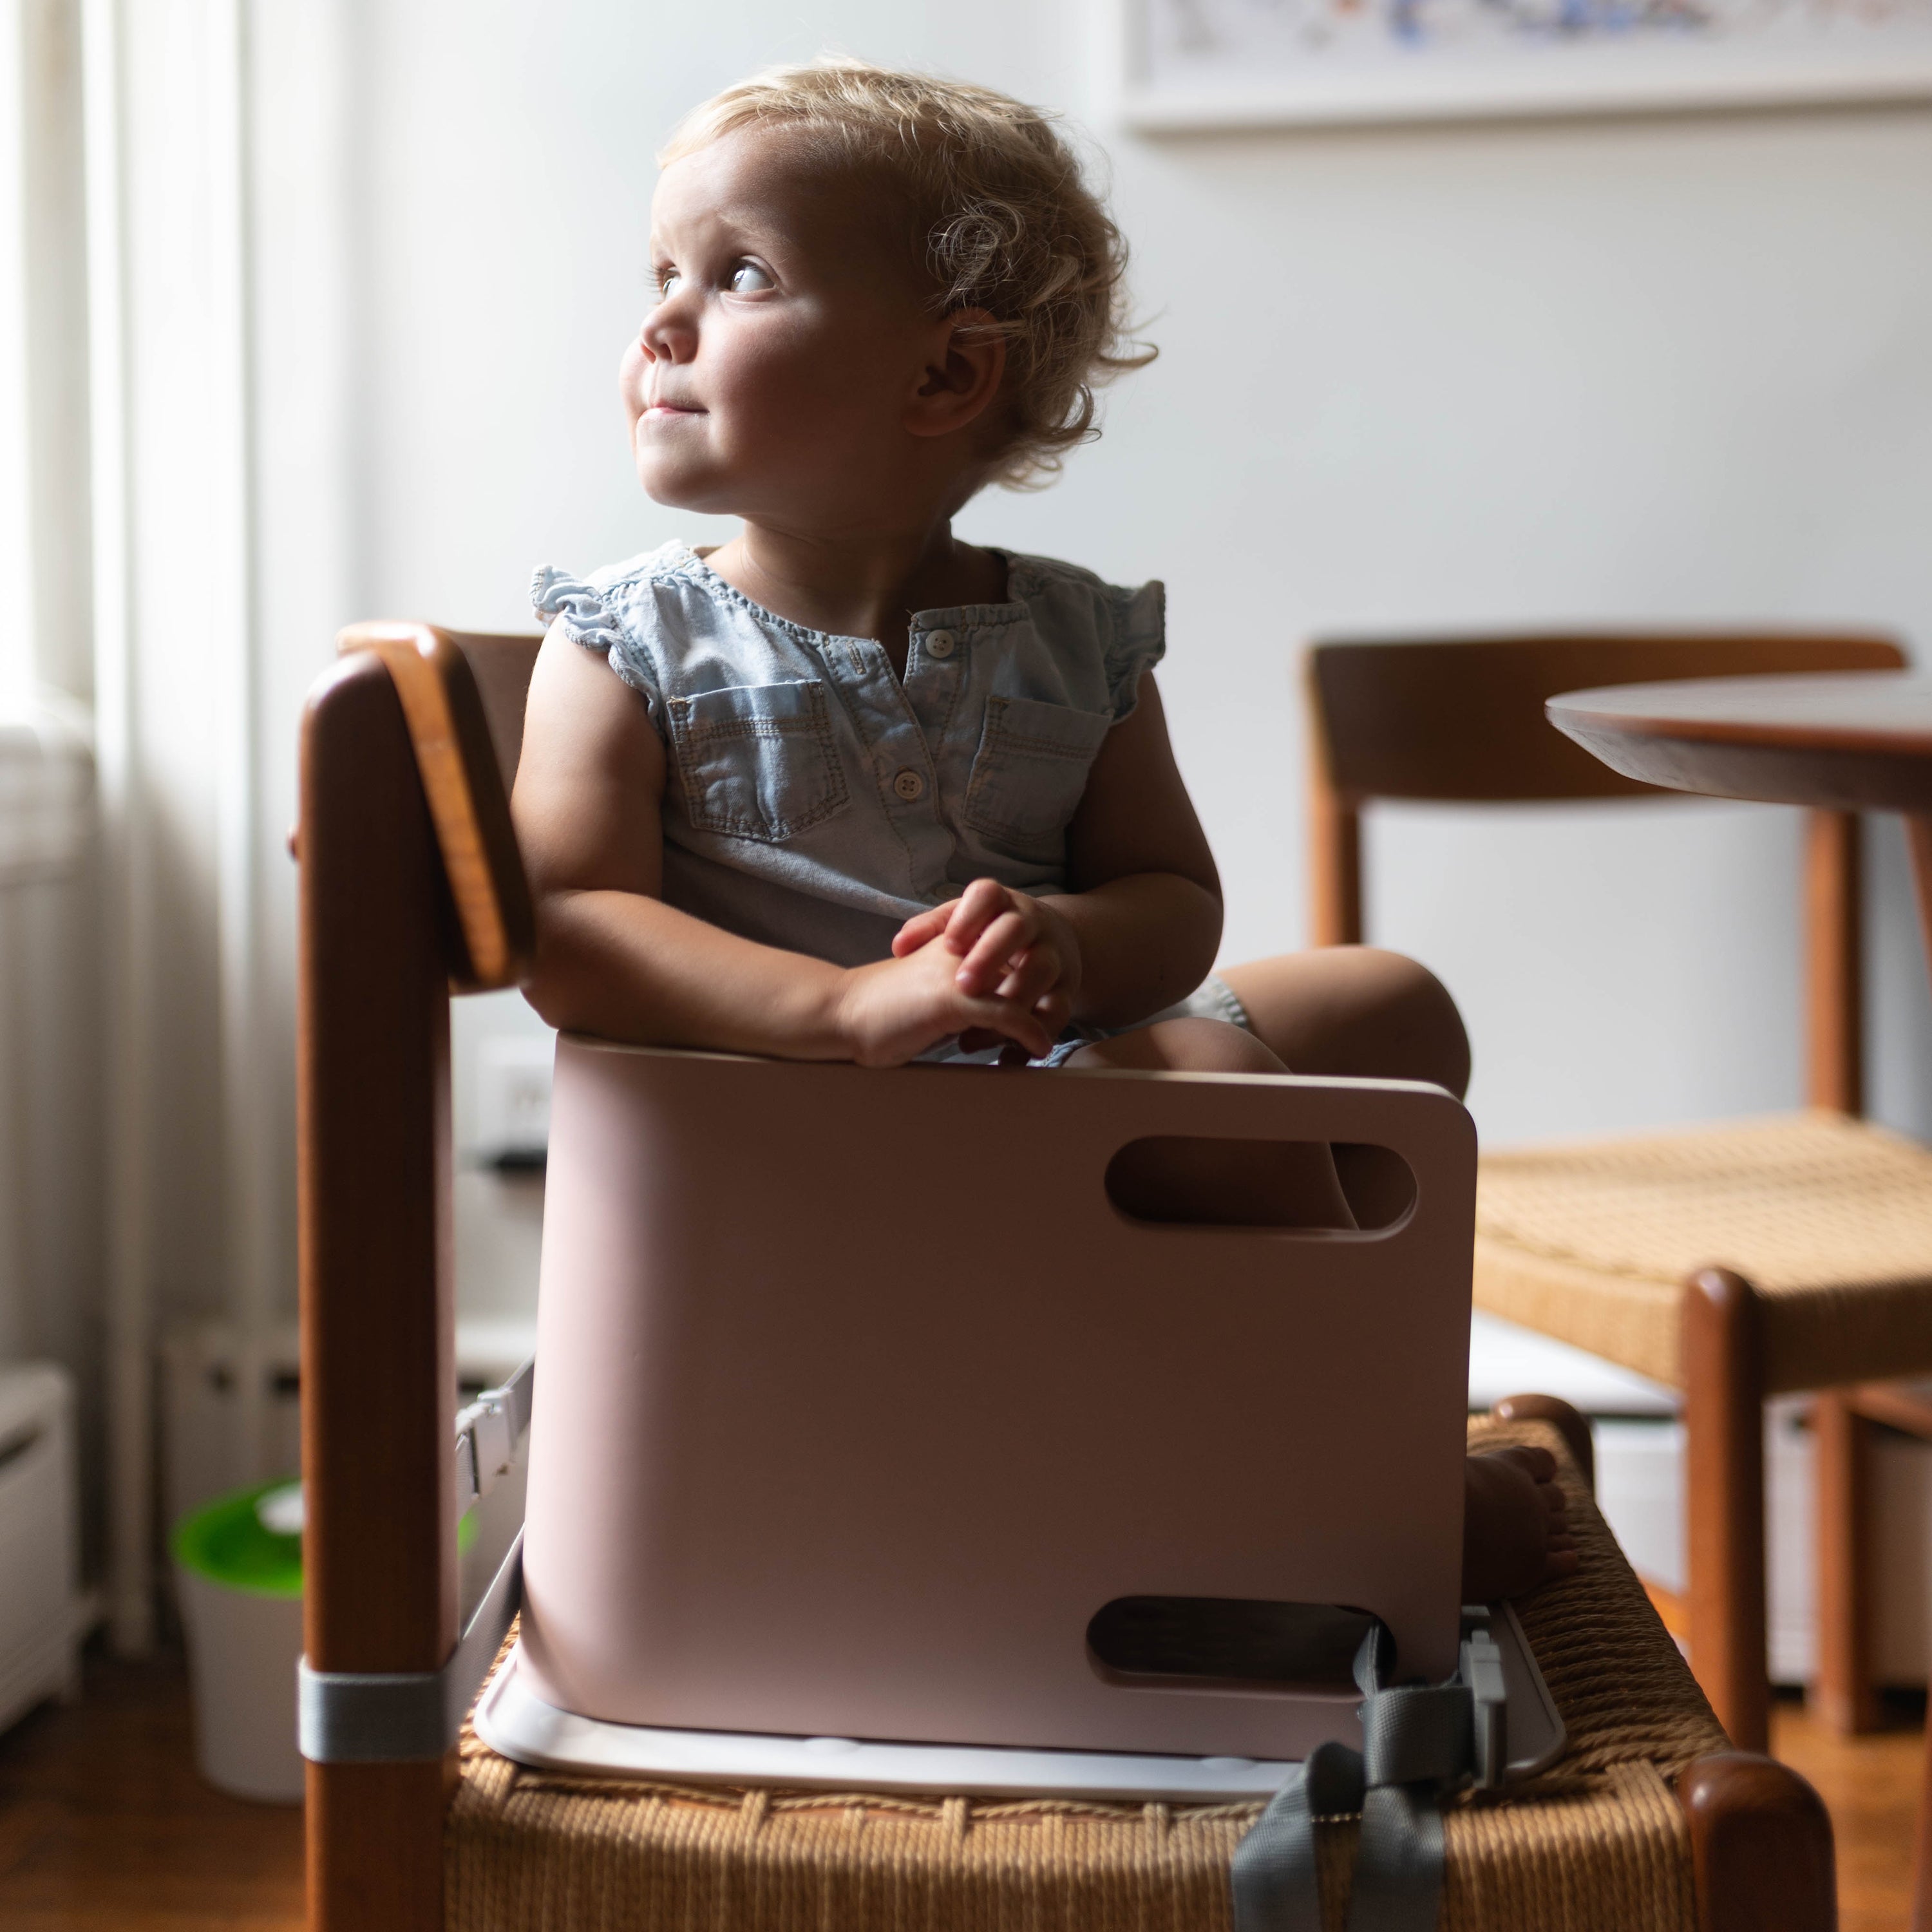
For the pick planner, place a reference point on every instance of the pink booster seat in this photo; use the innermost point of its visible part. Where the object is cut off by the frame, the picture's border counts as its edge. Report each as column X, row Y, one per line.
column 865, row 1411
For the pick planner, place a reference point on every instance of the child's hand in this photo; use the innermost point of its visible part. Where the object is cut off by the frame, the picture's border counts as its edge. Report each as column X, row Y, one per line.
column 892, row 1011
column 1008, row 943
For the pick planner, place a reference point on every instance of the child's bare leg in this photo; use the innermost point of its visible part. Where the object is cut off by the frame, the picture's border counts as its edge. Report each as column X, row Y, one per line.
column 1515, row 1534
column 1360, row 1012
column 1262, row 1183
column 1355, row 1011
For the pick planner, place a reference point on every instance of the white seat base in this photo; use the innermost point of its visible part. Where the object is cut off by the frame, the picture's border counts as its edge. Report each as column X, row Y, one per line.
column 514, row 1722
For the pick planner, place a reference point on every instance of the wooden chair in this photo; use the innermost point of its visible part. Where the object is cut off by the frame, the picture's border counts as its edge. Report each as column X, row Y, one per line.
column 411, row 888
column 1731, row 1263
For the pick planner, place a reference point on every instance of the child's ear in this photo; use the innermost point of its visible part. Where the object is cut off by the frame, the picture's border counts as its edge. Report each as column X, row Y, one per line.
column 965, row 365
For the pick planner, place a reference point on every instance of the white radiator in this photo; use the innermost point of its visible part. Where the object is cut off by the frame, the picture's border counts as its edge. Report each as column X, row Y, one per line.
column 50, row 1161
column 43, row 1615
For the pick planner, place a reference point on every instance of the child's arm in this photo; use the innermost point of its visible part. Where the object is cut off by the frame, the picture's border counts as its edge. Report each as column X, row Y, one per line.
column 613, row 959
column 1141, row 926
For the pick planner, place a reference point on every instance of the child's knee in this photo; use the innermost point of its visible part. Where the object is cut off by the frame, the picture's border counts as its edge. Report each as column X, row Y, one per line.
column 1394, row 979
column 1423, row 1021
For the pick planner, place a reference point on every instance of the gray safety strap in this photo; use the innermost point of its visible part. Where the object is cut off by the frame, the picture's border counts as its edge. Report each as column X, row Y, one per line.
column 1277, row 1883
column 1398, row 1861
column 352, row 1717
column 349, row 1716
column 1420, row 1742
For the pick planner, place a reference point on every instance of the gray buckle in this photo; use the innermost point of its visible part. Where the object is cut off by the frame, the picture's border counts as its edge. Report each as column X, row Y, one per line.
column 488, row 1433
column 1482, row 1675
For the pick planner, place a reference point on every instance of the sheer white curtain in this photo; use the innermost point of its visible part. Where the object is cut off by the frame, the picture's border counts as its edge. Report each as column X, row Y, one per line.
column 146, row 100
column 16, row 552
column 49, row 1150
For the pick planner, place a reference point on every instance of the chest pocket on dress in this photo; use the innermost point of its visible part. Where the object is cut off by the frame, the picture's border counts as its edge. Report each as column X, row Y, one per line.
column 756, row 761
column 1030, row 772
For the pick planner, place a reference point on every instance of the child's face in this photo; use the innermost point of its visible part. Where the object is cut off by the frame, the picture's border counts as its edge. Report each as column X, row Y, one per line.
column 774, row 375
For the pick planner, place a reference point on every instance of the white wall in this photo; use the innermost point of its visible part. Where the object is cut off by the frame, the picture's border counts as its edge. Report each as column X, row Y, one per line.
column 1639, row 370
column 1633, row 372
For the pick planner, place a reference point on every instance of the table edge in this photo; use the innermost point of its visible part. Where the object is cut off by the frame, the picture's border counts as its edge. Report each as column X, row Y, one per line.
column 1568, row 711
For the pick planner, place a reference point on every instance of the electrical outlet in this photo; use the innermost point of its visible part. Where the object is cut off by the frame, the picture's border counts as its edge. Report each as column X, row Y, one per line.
column 513, row 1073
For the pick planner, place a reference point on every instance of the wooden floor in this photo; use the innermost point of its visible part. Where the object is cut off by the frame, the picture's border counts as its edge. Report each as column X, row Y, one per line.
column 105, row 1827
column 1871, row 1787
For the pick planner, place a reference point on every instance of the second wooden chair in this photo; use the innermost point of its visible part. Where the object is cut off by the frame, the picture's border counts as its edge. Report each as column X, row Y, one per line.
column 1731, row 1262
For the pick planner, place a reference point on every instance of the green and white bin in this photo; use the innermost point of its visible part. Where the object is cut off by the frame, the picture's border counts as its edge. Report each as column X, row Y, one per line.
column 238, row 1571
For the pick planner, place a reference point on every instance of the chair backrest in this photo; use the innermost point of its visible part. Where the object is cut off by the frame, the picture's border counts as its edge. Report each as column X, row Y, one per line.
column 1462, row 720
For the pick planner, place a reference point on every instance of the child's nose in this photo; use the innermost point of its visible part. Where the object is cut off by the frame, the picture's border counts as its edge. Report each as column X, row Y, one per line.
column 666, row 335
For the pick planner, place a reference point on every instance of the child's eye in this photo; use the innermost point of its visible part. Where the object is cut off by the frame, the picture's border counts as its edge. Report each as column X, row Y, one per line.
column 747, row 278
column 668, row 281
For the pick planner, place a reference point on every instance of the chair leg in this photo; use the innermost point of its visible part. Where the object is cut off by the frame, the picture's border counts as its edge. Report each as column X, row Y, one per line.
column 375, row 1846
column 1760, row 1846
column 1723, row 1418
column 1922, row 1866
column 1843, row 1694
column 378, row 1367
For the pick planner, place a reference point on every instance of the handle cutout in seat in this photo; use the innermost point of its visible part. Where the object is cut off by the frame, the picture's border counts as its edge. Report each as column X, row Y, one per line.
column 1226, row 1643
column 1203, row 1180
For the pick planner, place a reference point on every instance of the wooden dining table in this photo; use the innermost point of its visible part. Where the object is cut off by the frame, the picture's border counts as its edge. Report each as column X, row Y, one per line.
column 1857, row 741
column 1847, row 741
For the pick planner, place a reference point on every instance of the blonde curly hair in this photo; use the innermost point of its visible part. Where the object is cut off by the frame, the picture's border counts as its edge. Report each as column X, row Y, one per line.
column 1001, row 220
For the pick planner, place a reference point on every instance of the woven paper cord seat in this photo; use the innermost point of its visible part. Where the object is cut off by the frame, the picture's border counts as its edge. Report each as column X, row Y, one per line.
column 1830, row 1218
column 1596, row 1844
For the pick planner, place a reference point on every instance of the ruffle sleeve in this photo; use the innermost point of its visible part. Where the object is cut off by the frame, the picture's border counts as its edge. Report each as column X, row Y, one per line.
column 1135, row 635
column 590, row 617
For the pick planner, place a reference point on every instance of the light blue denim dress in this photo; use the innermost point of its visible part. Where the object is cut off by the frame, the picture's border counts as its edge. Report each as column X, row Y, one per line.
column 817, row 801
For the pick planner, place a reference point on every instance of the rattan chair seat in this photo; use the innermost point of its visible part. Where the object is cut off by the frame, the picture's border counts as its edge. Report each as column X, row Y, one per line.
column 1830, row 1218
column 1596, row 1844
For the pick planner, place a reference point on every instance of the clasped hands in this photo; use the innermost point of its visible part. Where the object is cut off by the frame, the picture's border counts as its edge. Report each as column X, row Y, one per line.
column 992, row 966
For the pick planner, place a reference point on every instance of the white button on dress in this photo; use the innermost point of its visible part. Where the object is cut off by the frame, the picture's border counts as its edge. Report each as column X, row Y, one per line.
column 939, row 644
column 909, row 785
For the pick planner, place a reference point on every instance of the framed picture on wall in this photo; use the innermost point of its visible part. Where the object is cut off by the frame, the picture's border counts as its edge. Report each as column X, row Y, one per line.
column 1203, row 64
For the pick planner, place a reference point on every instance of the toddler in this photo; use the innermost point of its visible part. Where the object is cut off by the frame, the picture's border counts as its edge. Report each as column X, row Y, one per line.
column 848, row 788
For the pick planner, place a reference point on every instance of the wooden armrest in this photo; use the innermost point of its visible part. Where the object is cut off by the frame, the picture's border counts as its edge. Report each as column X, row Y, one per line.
column 462, row 779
